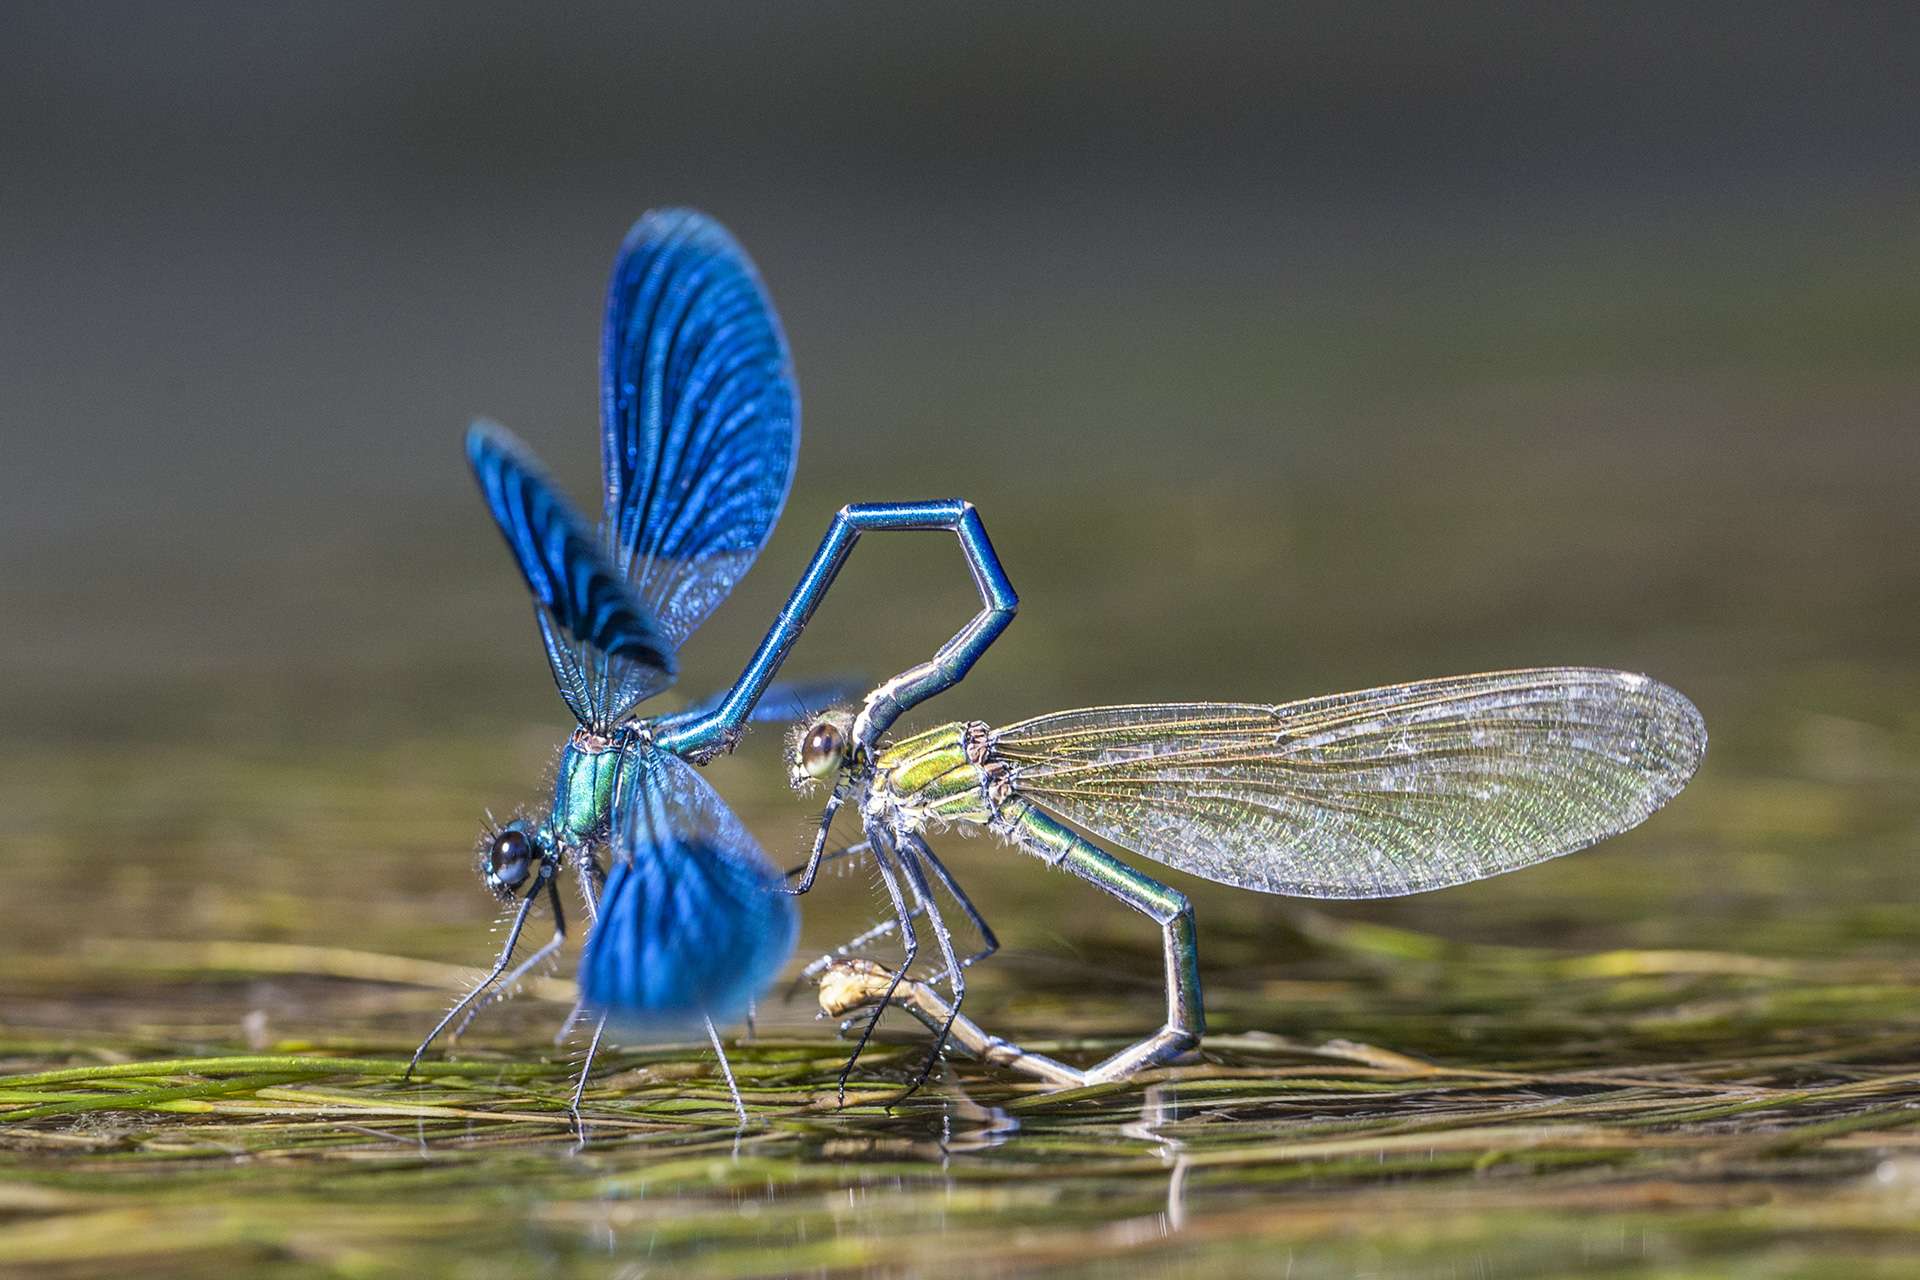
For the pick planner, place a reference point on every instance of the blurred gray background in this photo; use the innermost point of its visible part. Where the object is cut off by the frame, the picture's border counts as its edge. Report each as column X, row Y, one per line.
column 1284, row 348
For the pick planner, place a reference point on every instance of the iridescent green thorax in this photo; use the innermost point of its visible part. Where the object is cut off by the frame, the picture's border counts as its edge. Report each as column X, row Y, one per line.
column 942, row 775
column 583, row 791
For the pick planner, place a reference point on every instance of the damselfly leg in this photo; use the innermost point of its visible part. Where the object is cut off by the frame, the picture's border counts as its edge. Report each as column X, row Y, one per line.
column 505, row 987
column 591, row 876
column 911, row 850
column 592, row 879
column 1186, row 1021
column 912, row 856
column 883, row 857
column 542, row 880
column 586, row 1066
column 859, row 850
column 726, row 1069
column 852, row 983
column 988, row 942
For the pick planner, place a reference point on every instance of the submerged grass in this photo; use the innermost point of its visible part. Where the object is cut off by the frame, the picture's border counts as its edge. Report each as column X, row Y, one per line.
column 1572, row 1142
column 213, row 1078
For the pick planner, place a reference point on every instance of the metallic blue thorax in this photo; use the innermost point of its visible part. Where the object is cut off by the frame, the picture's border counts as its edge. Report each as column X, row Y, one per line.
column 583, row 790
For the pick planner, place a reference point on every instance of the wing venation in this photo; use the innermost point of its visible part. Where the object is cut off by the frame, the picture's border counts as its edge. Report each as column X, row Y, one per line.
column 1370, row 794
column 597, row 633
column 700, row 416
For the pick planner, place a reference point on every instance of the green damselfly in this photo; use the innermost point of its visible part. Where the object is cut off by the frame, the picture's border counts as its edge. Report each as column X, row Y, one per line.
column 1373, row 794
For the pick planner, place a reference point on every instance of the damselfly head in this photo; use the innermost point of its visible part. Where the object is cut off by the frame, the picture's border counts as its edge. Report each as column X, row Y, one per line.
column 509, row 856
column 820, row 748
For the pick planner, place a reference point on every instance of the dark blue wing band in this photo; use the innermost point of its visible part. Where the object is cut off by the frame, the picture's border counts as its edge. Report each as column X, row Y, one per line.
column 700, row 416
column 559, row 556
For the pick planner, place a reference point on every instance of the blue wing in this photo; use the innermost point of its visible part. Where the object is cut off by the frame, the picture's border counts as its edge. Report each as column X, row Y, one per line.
column 700, row 416
column 693, row 920
column 598, row 634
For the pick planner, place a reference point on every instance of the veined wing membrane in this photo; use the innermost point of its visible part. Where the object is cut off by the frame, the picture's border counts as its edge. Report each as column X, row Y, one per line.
column 700, row 416
column 1371, row 794
column 591, row 621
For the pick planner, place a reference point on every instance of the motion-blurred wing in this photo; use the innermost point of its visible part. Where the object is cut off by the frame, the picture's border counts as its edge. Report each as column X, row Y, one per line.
column 1371, row 794
column 693, row 920
column 596, row 631
column 700, row 414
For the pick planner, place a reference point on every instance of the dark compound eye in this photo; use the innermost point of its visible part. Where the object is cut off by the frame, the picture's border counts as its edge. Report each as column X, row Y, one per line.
column 510, row 859
column 820, row 752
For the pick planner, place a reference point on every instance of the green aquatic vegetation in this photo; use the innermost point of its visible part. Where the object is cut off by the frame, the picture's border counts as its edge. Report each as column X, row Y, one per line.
column 1560, row 1133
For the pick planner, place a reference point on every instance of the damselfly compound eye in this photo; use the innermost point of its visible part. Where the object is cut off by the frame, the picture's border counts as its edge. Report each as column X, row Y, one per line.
column 510, row 859
column 820, row 753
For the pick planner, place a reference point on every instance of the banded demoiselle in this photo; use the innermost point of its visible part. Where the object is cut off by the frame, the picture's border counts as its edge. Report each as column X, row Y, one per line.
column 700, row 421
column 1374, row 794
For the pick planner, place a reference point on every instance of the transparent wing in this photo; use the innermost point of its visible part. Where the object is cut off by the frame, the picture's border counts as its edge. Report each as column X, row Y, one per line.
column 692, row 920
column 700, row 416
column 598, row 634
column 1370, row 794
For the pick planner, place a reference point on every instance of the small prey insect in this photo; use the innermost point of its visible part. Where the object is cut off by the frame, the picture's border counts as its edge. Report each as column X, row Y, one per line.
column 1374, row 794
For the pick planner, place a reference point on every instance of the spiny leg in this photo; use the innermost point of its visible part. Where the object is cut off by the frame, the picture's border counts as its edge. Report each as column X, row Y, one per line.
column 851, row 851
column 854, row 943
column 910, row 850
column 571, row 1021
column 1186, row 1018
column 809, row 870
column 726, row 1069
column 848, row 947
column 910, row 945
column 544, row 878
column 591, row 881
column 593, row 878
column 586, row 1068
column 988, row 942
column 506, row 985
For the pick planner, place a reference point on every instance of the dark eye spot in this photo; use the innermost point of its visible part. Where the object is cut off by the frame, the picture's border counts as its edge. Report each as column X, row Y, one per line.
column 510, row 859
column 820, row 753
